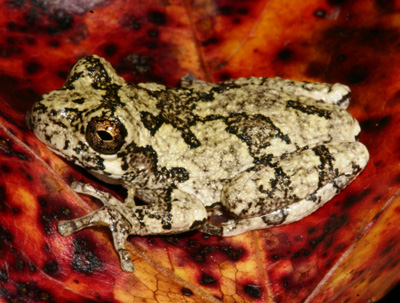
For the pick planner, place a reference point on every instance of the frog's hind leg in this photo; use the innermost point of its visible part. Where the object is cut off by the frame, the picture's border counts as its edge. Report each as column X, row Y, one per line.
column 272, row 194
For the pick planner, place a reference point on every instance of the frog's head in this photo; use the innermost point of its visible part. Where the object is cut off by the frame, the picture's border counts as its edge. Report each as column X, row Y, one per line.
column 84, row 121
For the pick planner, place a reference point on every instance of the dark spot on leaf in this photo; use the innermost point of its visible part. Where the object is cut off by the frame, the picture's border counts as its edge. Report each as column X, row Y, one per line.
column 54, row 43
column 352, row 199
column 32, row 267
column 225, row 10
column 62, row 74
column 3, row 275
column 44, row 296
column 16, row 210
column 210, row 41
column 64, row 21
column 153, row 33
column 110, row 49
column 84, row 260
column 341, row 58
column 285, row 54
column 16, row 3
column 152, row 45
column 23, row 288
column 275, row 257
column 157, row 18
column 5, row 168
column 224, row 77
column 388, row 249
column 377, row 198
column 233, row 253
column 186, row 292
column 3, row 292
column 33, row 66
column 5, row 237
column 339, row 247
column 236, row 21
column 242, row 11
column 285, row 282
column 357, row 74
column 130, row 22
column 207, row 280
column 51, row 267
column 375, row 125
column 198, row 257
column 316, row 69
column 336, row 2
column 140, row 64
column 320, row 13
column 386, row 5
column 65, row 211
column 253, row 290
column 19, row 264
column 314, row 242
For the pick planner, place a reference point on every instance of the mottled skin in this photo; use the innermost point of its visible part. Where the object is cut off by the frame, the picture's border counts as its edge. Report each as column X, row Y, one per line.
column 263, row 151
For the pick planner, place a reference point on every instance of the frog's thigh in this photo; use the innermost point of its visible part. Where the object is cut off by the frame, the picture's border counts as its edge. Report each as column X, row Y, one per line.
column 294, row 187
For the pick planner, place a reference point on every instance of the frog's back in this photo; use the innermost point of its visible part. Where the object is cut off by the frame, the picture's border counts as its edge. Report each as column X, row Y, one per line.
column 216, row 131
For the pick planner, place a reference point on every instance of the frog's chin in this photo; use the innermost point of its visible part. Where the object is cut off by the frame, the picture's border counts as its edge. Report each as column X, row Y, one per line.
column 101, row 177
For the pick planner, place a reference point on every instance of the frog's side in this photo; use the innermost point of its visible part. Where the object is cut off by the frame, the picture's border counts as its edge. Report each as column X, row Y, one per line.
column 266, row 151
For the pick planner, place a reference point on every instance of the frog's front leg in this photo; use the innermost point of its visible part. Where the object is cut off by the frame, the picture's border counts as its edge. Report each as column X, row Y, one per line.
column 272, row 194
column 176, row 213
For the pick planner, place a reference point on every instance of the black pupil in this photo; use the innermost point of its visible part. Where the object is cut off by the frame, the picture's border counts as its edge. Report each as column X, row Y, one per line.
column 105, row 136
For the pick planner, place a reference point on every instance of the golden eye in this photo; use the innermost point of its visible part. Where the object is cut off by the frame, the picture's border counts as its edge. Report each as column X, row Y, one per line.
column 105, row 136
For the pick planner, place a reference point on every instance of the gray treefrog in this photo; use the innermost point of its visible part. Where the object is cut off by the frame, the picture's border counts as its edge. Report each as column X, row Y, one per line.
column 263, row 151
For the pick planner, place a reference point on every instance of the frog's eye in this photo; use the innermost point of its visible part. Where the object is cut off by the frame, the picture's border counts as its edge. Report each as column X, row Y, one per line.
column 105, row 136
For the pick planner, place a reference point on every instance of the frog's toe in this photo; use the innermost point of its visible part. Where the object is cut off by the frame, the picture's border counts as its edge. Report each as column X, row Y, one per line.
column 126, row 260
column 66, row 228
column 211, row 229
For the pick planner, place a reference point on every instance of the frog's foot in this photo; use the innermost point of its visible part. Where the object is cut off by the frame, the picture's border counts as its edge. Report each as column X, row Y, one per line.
column 176, row 213
column 109, row 215
column 120, row 230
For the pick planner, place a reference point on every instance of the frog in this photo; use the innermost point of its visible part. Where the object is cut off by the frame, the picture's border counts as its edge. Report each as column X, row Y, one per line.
column 219, row 158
